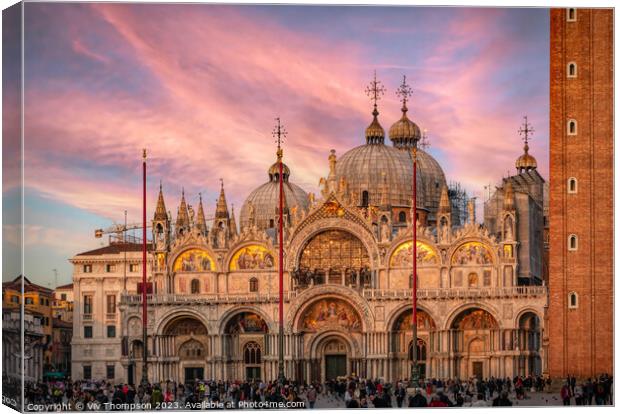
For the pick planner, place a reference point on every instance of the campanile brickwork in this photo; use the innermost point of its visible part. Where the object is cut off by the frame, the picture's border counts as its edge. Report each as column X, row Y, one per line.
column 580, row 337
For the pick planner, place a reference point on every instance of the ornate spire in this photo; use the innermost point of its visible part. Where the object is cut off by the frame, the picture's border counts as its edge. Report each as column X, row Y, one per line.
column 509, row 196
column 183, row 215
column 221, row 209
column 444, row 201
column 404, row 133
column 375, row 133
column 201, row 222
column 525, row 162
column 160, row 210
column 232, row 224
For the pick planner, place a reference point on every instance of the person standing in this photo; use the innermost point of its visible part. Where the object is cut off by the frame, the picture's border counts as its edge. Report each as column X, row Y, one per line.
column 565, row 394
column 311, row 396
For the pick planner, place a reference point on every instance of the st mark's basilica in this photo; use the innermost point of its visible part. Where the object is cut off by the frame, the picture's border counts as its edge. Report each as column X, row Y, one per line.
column 213, row 312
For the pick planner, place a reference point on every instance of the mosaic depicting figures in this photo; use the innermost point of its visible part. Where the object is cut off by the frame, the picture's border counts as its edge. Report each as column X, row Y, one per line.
column 186, row 326
column 472, row 253
column 475, row 319
column 193, row 260
column 403, row 323
column 328, row 313
column 402, row 256
column 246, row 322
column 252, row 258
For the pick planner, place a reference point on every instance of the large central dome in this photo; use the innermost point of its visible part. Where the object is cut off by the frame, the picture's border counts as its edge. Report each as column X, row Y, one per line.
column 385, row 173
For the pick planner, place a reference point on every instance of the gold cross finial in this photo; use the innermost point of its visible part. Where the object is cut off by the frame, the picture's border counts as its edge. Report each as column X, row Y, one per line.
column 404, row 91
column 526, row 129
column 279, row 133
column 375, row 90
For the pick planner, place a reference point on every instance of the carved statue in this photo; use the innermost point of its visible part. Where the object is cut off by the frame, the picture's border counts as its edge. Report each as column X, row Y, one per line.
column 251, row 214
column 192, row 214
column 445, row 233
column 385, row 232
column 221, row 238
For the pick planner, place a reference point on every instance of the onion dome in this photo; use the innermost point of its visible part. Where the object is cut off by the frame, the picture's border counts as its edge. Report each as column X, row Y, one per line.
column 374, row 132
column 404, row 133
column 525, row 162
column 261, row 206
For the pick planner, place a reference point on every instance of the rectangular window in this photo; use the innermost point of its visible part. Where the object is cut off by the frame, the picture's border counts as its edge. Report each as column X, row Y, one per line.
column 88, row 268
column 487, row 278
column 111, row 331
column 87, row 372
column 29, row 301
column 63, row 296
column 15, row 299
column 458, row 279
column 88, row 304
column 109, row 372
column 110, row 268
column 88, row 332
column 111, row 304
column 133, row 268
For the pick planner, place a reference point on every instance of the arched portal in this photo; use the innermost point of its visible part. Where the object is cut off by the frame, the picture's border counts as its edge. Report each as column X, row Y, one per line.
column 186, row 338
column 475, row 334
column 401, row 339
column 245, row 342
column 529, row 343
column 336, row 257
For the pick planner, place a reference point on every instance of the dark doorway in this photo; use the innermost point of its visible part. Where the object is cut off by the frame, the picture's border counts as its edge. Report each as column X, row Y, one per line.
column 130, row 374
column 194, row 373
column 477, row 368
column 252, row 373
column 335, row 366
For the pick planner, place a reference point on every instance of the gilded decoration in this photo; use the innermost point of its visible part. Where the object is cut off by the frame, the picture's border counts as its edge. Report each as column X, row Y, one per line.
column 334, row 249
column 403, row 323
column 253, row 257
column 330, row 313
column 472, row 253
column 404, row 252
column 186, row 326
column 246, row 322
column 508, row 251
column 475, row 319
column 193, row 260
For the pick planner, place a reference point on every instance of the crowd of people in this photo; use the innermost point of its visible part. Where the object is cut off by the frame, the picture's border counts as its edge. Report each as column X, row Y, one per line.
column 591, row 391
column 350, row 392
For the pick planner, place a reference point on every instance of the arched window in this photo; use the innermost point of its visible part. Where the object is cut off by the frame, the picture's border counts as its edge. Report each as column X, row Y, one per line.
column 571, row 127
column 571, row 70
column 572, row 185
column 402, row 217
column 195, row 286
column 573, row 242
column 573, row 300
column 254, row 285
column 365, row 199
column 252, row 353
column 571, row 15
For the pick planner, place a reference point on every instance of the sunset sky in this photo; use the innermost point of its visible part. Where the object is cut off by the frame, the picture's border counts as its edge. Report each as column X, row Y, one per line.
column 199, row 86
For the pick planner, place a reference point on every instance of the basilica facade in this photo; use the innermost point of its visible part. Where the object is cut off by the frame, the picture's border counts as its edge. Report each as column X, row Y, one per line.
column 213, row 309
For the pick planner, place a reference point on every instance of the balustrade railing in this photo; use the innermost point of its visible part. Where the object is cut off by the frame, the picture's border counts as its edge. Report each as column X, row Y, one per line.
column 498, row 292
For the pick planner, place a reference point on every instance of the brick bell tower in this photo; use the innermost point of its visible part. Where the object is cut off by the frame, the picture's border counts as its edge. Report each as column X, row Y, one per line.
column 580, row 315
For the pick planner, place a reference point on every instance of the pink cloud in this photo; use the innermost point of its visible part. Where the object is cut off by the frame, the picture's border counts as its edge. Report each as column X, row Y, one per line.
column 224, row 78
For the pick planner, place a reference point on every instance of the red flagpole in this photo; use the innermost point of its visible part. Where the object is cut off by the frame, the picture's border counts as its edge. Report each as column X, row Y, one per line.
column 414, row 315
column 281, row 376
column 144, row 313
